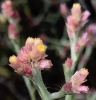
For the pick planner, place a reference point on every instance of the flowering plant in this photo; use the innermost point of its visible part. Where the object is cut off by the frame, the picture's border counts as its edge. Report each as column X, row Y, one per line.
column 31, row 58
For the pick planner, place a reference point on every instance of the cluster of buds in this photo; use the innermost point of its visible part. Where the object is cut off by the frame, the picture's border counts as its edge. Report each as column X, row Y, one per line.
column 88, row 37
column 76, row 20
column 29, row 57
column 74, row 24
column 12, row 16
column 9, row 11
column 75, row 82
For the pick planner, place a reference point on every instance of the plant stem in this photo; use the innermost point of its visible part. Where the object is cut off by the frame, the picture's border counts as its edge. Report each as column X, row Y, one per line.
column 30, row 88
column 69, row 97
column 59, row 94
column 37, row 80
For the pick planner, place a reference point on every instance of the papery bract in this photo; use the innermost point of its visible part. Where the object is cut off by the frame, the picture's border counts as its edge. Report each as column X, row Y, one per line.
column 80, row 76
column 67, row 86
column 28, row 70
column 83, row 39
column 85, row 15
column 44, row 64
column 23, row 55
column 83, row 89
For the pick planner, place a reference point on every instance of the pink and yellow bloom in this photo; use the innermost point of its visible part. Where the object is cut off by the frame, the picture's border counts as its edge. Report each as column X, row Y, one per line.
column 76, row 20
column 75, row 83
column 29, row 56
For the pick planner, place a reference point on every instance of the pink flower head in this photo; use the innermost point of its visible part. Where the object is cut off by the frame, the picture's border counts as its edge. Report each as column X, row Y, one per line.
column 14, row 63
column 28, row 70
column 67, row 87
column 14, row 15
column 83, row 89
column 6, row 7
column 29, row 56
column 63, row 9
column 37, row 41
column 85, row 15
column 44, row 64
column 20, row 68
column 91, row 29
column 73, row 20
column 68, row 62
column 12, row 31
column 38, row 52
column 23, row 55
column 77, row 47
column 76, row 11
column 29, row 43
column 77, row 79
column 9, row 11
column 6, row 4
column 83, row 39
column 76, row 20
column 70, row 27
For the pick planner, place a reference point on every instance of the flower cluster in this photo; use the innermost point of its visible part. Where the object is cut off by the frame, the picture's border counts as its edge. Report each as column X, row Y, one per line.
column 30, row 56
column 75, row 82
column 74, row 24
column 76, row 20
column 9, row 11
column 12, row 16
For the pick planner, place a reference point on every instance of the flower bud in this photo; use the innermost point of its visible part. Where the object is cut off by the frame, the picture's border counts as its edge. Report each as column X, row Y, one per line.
column 85, row 15
column 44, row 64
column 28, row 70
column 67, row 86
column 83, row 89
column 63, row 9
column 81, row 75
column 68, row 62
column 91, row 29
column 13, row 59
column 76, row 11
column 23, row 55
column 12, row 31
column 14, row 62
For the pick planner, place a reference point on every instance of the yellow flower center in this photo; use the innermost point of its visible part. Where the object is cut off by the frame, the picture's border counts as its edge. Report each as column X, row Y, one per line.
column 41, row 47
column 13, row 59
